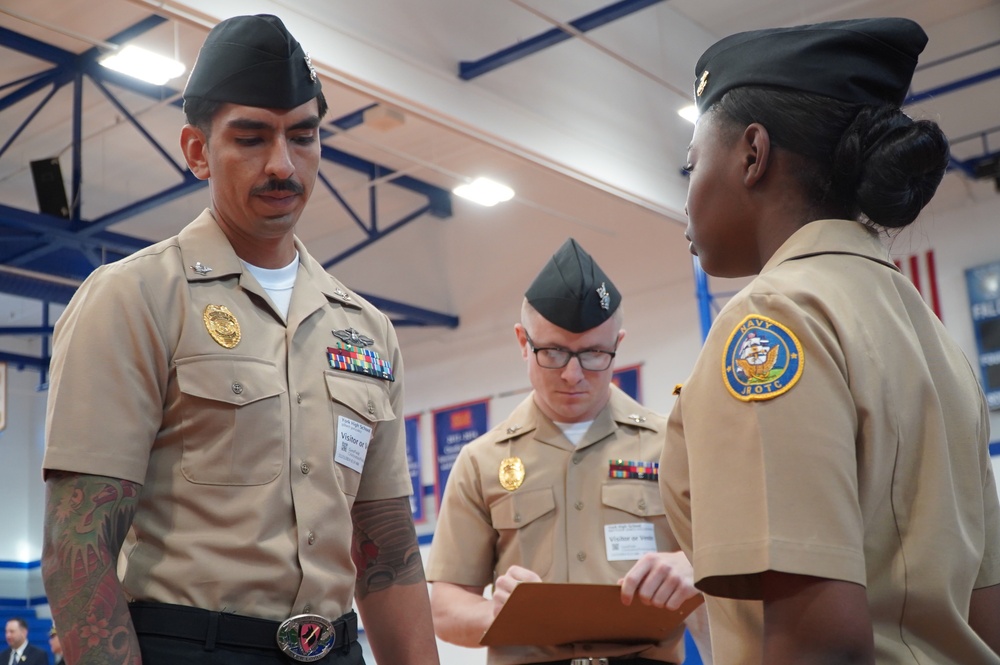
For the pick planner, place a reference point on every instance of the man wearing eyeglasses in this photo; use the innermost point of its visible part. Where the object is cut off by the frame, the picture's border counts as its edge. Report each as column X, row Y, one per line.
column 551, row 493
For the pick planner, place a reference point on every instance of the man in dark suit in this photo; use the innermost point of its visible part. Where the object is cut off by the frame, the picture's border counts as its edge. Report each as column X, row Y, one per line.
column 55, row 647
column 19, row 652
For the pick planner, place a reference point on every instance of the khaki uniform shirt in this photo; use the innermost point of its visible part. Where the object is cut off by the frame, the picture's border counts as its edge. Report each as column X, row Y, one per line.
column 243, row 506
column 554, row 522
column 865, row 458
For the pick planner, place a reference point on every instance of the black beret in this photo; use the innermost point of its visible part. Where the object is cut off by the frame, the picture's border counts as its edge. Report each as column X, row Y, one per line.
column 253, row 61
column 864, row 61
column 572, row 291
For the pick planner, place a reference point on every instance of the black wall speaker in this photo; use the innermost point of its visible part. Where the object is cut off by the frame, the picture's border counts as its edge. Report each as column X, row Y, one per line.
column 49, row 187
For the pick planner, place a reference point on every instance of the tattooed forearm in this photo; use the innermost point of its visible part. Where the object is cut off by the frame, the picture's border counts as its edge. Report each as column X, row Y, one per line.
column 86, row 519
column 385, row 549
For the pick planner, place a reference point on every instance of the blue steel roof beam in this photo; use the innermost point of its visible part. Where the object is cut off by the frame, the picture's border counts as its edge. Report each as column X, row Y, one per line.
column 344, row 204
column 22, row 362
column 15, row 331
column 190, row 184
column 128, row 34
column 56, row 77
column 953, row 86
column 27, row 285
column 955, row 56
column 35, row 48
column 46, row 354
column 76, row 178
column 373, row 198
column 352, row 119
column 438, row 199
column 27, row 121
column 58, row 228
column 135, row 123
column 468, row 70
column 413, row 315
column 27, row 79
column 377, row 235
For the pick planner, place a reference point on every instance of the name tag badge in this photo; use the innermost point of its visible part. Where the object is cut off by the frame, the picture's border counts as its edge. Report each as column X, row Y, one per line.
column 352, row 443
column 628, row 542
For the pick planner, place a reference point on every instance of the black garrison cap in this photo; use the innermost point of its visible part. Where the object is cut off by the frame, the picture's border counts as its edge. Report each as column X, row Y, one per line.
column 864, row 61
column 253, row 61
column 572, row 291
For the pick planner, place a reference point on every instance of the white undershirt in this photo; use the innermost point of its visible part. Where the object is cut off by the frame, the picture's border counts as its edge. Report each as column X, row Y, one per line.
column 575, row 431
column 278, row 282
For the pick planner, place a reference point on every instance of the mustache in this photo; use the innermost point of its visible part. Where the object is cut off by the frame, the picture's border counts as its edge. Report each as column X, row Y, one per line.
column 279, row 185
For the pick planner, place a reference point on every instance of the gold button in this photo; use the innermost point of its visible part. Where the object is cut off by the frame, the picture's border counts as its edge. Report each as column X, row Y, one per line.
column 307, row 608
column 237, row 388
column 642, row 505
column 576, row 459
column 298, row 397
column 371, row 407
column 582, row 556
column 304, row 467
column 311, row 538
column 579, row 505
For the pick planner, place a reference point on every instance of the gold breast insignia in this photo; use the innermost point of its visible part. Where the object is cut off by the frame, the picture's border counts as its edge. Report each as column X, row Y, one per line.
column 511, row 473
column 222, row 325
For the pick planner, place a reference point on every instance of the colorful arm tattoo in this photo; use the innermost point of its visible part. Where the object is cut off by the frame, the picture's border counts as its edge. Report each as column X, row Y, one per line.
column 86, row 519
column 385, row 549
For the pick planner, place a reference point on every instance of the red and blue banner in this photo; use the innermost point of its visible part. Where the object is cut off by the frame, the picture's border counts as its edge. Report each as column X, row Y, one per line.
column 412, row 424
column 627, row 378
column 454, row 427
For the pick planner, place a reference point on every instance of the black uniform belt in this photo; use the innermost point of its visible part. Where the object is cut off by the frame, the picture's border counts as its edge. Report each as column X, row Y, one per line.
column 620, row 660
column 222, row 628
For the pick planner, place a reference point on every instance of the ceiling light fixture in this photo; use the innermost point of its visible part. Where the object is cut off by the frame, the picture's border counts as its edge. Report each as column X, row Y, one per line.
column 143, row 65
column 484, row 191
column 689, row 113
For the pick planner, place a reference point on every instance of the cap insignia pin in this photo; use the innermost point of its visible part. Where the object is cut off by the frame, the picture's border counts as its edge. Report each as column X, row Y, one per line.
column 635, row 417
column 513, row 429
column 702, row 83
column 312, row 70
column 352, row 336
column 511, row 473
column 201, row 268
column 222, row 325
column 341, row 293
column 602, row 293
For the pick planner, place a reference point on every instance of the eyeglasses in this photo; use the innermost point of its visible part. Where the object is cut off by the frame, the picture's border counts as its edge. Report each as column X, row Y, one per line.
column 555, row 358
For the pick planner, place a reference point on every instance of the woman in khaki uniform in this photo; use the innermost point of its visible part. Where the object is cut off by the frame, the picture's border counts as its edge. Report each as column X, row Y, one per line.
column 827, row 467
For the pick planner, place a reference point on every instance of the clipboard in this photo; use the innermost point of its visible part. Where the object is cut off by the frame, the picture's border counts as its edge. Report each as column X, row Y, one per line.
column 544, row 614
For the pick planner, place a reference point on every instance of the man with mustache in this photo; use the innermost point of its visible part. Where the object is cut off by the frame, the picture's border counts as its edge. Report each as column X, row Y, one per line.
column 231, row 412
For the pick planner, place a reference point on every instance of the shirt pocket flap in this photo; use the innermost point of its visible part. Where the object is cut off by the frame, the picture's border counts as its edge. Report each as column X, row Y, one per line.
column 369, row 398
column 522, row 508
column 236, row 380
column 638, row 497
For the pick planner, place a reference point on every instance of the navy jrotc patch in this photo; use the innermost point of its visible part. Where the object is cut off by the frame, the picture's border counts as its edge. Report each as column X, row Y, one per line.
column 762, row 360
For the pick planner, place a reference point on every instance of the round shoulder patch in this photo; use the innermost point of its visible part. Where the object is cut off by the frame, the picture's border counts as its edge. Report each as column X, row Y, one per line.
column 762, row 360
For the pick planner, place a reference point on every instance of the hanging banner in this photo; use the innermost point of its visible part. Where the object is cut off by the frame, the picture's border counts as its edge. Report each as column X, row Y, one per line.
column 627, row 378
column 413, row 461
column 984, row 302
column 454, row 427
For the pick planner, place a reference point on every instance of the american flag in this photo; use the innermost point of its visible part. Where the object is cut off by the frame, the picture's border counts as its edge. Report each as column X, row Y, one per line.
column 922, row 272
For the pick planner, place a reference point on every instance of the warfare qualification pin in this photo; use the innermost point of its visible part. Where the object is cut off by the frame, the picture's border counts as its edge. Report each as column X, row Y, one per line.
column 702, row 82
column 511, row 473
column 222, row 325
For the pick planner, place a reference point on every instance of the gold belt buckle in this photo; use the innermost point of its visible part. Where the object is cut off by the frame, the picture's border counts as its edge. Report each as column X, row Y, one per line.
column 306, row 637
